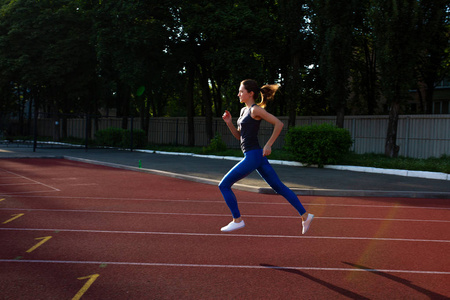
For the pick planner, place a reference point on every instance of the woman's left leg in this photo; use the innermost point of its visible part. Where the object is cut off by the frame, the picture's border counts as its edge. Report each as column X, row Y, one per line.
column 270, row 176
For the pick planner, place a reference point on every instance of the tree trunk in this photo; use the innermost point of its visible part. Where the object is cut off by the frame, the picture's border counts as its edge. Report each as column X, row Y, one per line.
column 293, row 73
column 207, row 103
column 123, row 98
column 143, row 112
column 30, row 109
column 217, row 98
column 391, row 148
column 21, row 112
column 370, row 79
column 64, row 126
column 421, row 101
column 340, row 115
column 429, row 95
column 190, row 103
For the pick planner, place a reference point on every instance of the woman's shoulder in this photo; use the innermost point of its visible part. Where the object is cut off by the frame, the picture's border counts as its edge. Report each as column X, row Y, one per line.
column 260, row 113
column 256, row 109
column 257, row 112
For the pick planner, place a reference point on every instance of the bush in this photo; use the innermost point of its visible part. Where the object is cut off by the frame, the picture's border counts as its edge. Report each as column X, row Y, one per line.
column 318, row 144
column 216, row 145
column 118, row 137
column 139, row 139
column 111, row 137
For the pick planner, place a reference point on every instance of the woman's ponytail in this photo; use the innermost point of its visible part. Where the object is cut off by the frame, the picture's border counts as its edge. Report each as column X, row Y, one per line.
column 267, row 91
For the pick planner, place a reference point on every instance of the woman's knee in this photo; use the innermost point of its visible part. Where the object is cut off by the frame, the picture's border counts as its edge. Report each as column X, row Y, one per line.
column 224, row 185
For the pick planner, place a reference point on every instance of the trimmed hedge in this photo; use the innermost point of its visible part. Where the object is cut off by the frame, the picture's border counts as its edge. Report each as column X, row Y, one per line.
column 118, row 137
column 318, row 144
column 216, row 145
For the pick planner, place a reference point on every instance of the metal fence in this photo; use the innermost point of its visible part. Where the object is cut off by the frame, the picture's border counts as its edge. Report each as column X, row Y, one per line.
column 419, row 136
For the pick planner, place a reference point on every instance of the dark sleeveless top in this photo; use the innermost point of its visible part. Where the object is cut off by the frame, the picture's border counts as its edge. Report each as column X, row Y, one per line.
column 249, row 130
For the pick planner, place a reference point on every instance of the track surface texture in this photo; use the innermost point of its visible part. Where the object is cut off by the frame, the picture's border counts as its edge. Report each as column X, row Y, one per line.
column 72, row 230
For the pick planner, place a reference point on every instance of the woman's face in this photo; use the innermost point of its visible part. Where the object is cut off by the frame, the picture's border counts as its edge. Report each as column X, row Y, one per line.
column 244, row 95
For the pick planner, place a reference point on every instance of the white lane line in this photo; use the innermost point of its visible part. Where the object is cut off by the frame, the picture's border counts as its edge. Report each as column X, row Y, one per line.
column 29, row 179
column 226, row 235
column 211, row 215
column 27, row 183
column 29, row 192
column 240, row 202
column 222, row 266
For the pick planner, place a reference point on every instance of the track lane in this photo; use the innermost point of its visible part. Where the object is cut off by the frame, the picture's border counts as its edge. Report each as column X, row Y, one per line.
column 159, row 236
column 190, row 220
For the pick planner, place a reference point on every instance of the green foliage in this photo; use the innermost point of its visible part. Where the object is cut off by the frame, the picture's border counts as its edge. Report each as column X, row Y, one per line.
column 395, row 31
column 318, row 144
column 118, row 137
column 216, row 145
column 139, row 138
column 109, row 137
column 81, row 56
column 334, row 22
column 45, row 44
column 432, row 164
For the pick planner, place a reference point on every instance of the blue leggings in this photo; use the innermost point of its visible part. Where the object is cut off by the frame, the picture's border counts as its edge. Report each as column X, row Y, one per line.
column 254, row 160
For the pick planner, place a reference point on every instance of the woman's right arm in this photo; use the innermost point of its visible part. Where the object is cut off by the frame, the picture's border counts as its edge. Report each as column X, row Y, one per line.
column 228, row 120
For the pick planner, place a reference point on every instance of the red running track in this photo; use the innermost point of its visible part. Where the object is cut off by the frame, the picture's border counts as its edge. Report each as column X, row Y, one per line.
column 72, row 230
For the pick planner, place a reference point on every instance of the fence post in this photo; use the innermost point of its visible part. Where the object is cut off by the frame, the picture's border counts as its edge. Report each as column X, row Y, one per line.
column 407, row 137
column 176, row 134
column 353, row 133
column 86, row 133
column 131, row 134
column 162, row 132
column 35, row 125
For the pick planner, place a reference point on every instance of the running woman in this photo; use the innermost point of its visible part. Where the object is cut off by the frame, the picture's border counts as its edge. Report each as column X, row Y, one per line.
column 255, row 158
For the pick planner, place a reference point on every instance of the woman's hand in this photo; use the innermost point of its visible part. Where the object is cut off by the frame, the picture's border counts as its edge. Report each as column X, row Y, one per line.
column 226, row 116
column 267, row 150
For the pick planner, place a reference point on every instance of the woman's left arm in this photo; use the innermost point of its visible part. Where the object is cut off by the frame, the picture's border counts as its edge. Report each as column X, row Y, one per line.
column 261, row 113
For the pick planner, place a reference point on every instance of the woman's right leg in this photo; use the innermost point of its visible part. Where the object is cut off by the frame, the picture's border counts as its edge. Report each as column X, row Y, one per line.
column 271, row 177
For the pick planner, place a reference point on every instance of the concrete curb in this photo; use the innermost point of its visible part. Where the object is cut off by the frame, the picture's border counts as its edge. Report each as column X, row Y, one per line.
column 264, row 190
column 407, row 173
column 267, row 190
column 363, row 193
column 164, row 173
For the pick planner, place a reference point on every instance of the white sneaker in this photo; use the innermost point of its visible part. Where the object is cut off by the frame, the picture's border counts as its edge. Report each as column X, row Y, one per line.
column 307, row 223
column 233, row 226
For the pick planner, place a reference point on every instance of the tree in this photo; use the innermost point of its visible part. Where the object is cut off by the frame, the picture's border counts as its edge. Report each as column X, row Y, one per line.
column 434, row 27
column 44, row 48
column 364, row 74
column 297, row 53
column 334, row 23
column 224, row 41
column 395, row 28
column 130, row 41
